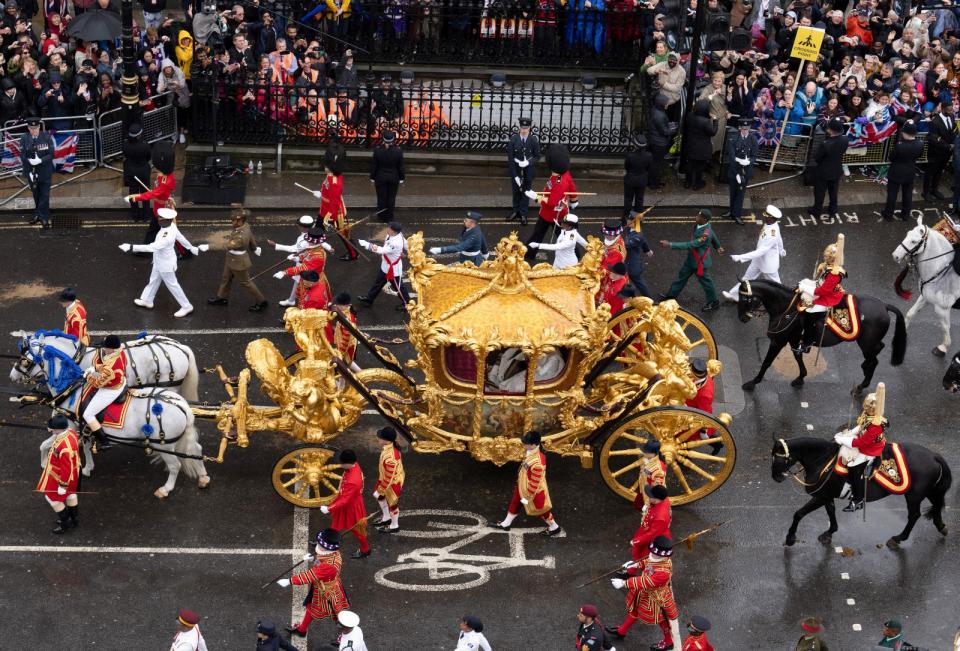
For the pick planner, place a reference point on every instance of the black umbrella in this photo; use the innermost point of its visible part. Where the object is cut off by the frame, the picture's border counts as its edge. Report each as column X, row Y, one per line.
column 95, row 25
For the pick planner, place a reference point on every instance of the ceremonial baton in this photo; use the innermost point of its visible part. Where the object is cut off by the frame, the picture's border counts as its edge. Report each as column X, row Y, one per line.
column 270, row 268
column 281, row 575
column 610, row 573
column 142, row 184
column 303, row 187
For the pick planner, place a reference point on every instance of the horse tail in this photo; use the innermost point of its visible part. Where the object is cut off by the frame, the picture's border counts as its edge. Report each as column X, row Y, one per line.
column 937, row 498
column 899, row 336
column 189, row 444
column 189, row 389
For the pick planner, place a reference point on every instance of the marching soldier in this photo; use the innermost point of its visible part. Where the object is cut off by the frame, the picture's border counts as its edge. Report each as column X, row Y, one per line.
column 698, row 261
column 589, row 633
column 863, row 445
column 188, row 637
column 531, row 489
column 61, row 474
column 347, row 509
column 333, row 211
column 75, row 321
column 636, row 168
column 37, row 151
column 565, row 248
column 655, row 523
column 312, row 258
column 387, row 175
column 163, row 158
column 697, row 638
column 903, row 170
column 765, row 259
column 942, row 133
column 523, row 152
column 136, row 165
column 327, row 597
column 390, row 480
column 339, row 337
column 557, row 199
column 810, row 638
column 650, row 596
column 305, row 223
column 828, row 167
column 742, row 153
column 240, row 243
column 637, row 248
column 472, row 246
column 818, row 295
column 391, row 265
column 106, row 380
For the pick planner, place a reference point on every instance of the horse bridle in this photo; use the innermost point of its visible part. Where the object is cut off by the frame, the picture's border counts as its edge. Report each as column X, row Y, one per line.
column 788, row 470
column 914, row 252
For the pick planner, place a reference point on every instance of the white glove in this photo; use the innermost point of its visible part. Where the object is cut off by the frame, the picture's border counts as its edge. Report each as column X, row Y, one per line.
column 326, row 247
column 524, row 501
column 531, row 195
column 617, row 583
column 316, row 194
column 434, row 250
column 128, row 199
column 195, row 250
column 534, row 245
column 284, row 583
column 292, row 256
column 125, row 248
column 35, row 160
column 257, row 251
column 523, row 163
column 807, row 286
column 516, row 180
column 88, row 372
column 279, row 275
column 401, row 181
column 365, row 244
column 736, row 258
column 628, row 564
column 307, row 558
column 61, row 490
column 206, row 247
column 324, row 509
column 376, row 495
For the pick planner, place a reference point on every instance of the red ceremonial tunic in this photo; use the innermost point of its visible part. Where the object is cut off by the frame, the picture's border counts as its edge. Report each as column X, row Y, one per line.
column 163, row 187
column 75, row 322
column 348, row 509
column 532, row 483
column 829, row 292
column 390, row 480
column 315, row 259
column 871, row 441
column 332, row 208
column 608, row 291
column 557, row 203
column 62, row 467
column 697, row 643
column 328, row 595
column 704, row 400
column 315, row 296
column 654, row 473
column 341, row 339
column 649, row 594
column 111, row 372
column 656, row 522
column 616, row 252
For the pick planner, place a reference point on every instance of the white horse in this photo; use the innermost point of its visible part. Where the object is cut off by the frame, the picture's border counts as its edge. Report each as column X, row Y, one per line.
column 155, row 417
column 930, row 254
column 153, row 360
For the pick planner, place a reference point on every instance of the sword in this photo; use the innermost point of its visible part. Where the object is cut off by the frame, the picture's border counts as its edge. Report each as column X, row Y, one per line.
column 282, row 574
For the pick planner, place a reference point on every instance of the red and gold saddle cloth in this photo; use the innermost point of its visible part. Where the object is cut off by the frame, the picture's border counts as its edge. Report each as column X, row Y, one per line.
column 892, row 474
column 946, row 229
column 844, row 319
column 115, row 413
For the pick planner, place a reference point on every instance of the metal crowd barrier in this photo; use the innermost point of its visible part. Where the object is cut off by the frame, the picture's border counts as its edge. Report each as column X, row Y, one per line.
column 158, row 124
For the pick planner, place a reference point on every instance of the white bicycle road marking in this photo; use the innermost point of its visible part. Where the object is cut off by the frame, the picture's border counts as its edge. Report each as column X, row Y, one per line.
column 445, row 568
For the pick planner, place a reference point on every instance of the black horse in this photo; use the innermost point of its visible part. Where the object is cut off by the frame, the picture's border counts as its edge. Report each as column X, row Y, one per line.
column 930, row 479
column 786, row 327
column 951, row 379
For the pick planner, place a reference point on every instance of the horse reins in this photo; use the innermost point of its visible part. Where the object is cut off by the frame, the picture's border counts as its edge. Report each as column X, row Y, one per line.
column 913, row 263
column 820, row 478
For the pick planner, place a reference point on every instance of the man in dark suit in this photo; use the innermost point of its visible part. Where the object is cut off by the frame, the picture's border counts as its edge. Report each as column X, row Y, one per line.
column 387, row 174
column 903, row 170
column 742, row 152
column 36, row 159
column 636, row 167
column 939, row 147
column 828, row 167
column 523, row 152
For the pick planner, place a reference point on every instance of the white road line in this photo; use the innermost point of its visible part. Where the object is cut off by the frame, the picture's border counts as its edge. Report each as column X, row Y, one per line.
column 809, row 427
column 301, row 524
column 216, row 551
column 851, row 601
column 231, row 331
column 845, row 576
column 857, row 627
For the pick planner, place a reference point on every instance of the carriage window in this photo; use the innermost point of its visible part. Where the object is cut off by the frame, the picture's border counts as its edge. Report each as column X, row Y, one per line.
column 507, row 370
column 461, row 364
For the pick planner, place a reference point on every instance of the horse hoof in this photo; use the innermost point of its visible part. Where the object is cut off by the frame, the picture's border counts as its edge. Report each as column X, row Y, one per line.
column 790, row 541
column 893, row 543
column 942, row 529
column 203, row 482
column 938, row 352
column 797, row 383
column 825, row 538
column 161, row 493
column 748, row 386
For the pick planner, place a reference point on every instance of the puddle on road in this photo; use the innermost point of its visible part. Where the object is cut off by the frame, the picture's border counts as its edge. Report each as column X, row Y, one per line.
column 216, row 239
column 21, row 291
column 785, row 365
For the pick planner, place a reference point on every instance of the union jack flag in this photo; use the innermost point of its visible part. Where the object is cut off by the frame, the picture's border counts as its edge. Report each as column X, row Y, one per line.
column 64, row 157
column 864, row 134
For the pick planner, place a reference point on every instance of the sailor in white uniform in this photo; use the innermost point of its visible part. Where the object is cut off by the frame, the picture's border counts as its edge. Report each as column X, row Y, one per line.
column 765, row 259
column 565, row 248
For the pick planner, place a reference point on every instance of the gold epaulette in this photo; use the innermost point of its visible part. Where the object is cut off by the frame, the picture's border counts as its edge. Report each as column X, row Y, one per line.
column 879, row 420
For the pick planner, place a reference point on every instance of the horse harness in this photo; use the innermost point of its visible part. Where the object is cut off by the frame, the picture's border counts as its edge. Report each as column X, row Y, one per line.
column 152, row 345
column 914, row 252
column 821, row 478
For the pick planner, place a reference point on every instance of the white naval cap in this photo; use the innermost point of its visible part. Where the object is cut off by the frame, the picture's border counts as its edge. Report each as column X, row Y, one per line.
column 571, row 218
column 307, row 221
column 348, row 618
column 773, row 211
column 166, row 213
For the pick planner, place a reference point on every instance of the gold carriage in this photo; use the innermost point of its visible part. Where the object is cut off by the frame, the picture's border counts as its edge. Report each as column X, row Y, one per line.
column 500, row 349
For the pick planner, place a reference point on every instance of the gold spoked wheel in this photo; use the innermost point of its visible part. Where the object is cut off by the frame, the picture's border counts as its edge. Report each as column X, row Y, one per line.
column 701, row 339
column 392, row 391
column 293, row 360
column 306, row 477
column 698, row 460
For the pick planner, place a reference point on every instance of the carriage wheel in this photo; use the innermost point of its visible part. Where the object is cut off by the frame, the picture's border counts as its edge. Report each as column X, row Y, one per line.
column 696, row 466
column 393, row 391
column 701, row 339
column 294, row 359
column 305, row 477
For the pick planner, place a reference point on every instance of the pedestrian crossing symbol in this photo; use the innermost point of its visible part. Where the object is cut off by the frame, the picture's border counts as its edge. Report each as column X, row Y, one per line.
column 807, row 43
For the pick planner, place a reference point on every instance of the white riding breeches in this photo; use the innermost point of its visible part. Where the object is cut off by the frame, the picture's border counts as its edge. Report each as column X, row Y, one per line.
column 816, row 309
column 100, row 400
column 168, row 278
column 852, row 456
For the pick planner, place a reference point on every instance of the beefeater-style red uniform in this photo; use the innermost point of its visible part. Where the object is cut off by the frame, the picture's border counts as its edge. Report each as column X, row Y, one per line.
column 341, row 339
column 829, row 292
column 616, row 252
column 656, row 522
column 75, row 322
column 556, row 202
column 163, row 187
column 532, row 486
column 347, row 508
column 391, row 476
column 650, row 597
column 62, row 467
column 697, row 643
column 328, row 595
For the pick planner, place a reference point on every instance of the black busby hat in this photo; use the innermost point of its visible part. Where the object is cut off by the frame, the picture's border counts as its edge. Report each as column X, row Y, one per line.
column 329, row 539
column 310, row 275
column 347, row 456
column 657, row 492
column 652, row 446
column 58, row 422
column 163, row 157
column 699, row 366
column 558, row 158
column 387, row 434
column 662, row 546
column 342, row 298
column 531, row 438
column 111, row 341
column 68, row 295
column 335, row 158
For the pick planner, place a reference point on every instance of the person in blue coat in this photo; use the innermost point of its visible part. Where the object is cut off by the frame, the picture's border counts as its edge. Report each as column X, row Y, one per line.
column 472, row 246
column 637, row 251
column 585, row 23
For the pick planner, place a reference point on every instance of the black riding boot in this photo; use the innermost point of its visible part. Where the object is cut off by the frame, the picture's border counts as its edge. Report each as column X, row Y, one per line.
column 102, row 442
column 63, row 522
column 809, row 336
column 856, row 487
column 74, row 512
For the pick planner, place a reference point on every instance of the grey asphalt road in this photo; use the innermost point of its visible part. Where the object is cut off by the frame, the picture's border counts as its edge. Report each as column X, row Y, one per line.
column 118, row 580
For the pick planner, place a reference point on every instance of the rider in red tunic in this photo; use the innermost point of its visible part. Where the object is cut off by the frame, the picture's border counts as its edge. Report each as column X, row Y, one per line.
column 61, row 473
column 697, row 640
column 863, row 445
column 531, row 491
column 650, row 596
column 819, row 295
column 347, row 509
column 326, row 597
column 75, row 321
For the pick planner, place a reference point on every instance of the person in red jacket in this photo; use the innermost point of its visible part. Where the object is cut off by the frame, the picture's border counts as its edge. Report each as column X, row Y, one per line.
column 697, row 640
column 822, row 293
column 347, row 509
column 339, row 337
column 333, row 211
column 61, row 473
column 614, row 280
column 75, row 320
column 557, row 199
column 650, row 596
column 531, row 490
column 312, row 292
column 312, row 258
column 389, row 481
column 655, row 523
column 703, row 379
column 326, row 597
column 164, row 160
column 863, row 445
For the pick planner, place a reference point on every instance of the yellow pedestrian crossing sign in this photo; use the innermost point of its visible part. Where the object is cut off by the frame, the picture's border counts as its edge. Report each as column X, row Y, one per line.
column 807, row 43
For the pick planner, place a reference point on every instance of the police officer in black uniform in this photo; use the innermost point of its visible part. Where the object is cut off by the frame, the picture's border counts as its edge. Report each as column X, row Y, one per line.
column 942, row 133
column 387, row 174
column 636, row 167
column 36, row 158
column 903, row 171
column 136, row 165
column 828, row 167
column 742, row 152
column 523, row 152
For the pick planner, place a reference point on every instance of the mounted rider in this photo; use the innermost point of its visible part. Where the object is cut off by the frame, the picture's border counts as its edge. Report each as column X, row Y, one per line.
column 820, row 294
column 863, row 445
column 106, row 381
